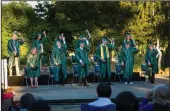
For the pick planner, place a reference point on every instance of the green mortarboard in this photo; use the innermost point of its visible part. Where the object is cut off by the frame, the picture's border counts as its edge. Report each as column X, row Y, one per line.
column 81, row 36
column 82, row 42
column 127, row 34
column 39, row 34
column 150, row 44
column 104, row 38
column 58, row 40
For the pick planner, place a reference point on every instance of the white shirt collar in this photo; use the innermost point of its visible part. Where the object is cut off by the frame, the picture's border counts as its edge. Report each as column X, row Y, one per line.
column 101, row 102
column 81, row 48
column 59, row 47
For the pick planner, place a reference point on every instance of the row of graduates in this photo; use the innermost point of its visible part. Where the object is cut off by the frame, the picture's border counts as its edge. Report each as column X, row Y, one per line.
column 58, row 57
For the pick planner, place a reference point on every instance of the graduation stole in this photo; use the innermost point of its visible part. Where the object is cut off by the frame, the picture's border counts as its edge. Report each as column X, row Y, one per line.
column 102, row 53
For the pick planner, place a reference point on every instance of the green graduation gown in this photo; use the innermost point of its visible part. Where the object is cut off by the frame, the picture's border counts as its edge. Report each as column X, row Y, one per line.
column 127, row 57
column 150, row 56
column 13, row 45
column 59, row 57
column 39, row 44
column 104, row 67
column 33, row 60
column 82, row 54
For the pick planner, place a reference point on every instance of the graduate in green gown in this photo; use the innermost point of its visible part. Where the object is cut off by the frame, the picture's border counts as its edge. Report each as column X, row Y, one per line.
column 61, row 38
column 82, row 58
column 127, row 60
column 39, row 44
column 14, row 51
column 59, row 61
column 33, row 65
column 82, row 38
column 128, row 38
column 151, row 59
column 103, row 55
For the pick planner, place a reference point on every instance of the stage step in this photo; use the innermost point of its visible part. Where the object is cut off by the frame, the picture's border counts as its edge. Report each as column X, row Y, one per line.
column 43, row 79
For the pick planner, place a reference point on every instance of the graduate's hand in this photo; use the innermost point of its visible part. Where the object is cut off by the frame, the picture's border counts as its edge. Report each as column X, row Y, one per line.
column 149, row 63
column 82, row 63
column 32, row 66
column 56, row 64
column 63, row 38
column 44, row 33
column 122, row 64
column 157, row 55
column 103, row 60
column 15, row 53
column 19, row 34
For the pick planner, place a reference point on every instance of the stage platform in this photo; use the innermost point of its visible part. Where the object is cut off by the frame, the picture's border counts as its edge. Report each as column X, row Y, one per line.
column 76, row 94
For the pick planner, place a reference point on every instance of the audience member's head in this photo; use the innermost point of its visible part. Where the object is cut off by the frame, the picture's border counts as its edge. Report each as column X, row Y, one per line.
column 27, row 100
column 126, row 101
column 40, row 105
column 160, row 93
column 104, row 90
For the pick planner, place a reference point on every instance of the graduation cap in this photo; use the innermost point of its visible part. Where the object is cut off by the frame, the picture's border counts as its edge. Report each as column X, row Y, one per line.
column 82, row 42
column 58, row 41
column 81, row 36
column 39, row 34
column 104, row 39
column 127, row 34
column 150, row 44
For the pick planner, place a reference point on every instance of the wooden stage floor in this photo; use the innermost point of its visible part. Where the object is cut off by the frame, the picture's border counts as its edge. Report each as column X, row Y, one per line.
column 74, row 93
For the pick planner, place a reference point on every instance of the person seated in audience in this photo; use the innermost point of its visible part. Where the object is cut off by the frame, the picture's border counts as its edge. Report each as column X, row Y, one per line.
column 159, row 99
column 126, row 101
column 104, row 92
column 25, row 103
column 40, row 105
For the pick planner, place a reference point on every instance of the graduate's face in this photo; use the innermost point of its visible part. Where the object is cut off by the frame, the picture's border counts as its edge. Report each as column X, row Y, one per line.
column 34, row 51
column 58, row 44
column 60, row 37
column 39, row 37
column 14, row 37
column 151, row 47
column 104, row 42
column 127, row 46
column 82, row 45
column 128, row 37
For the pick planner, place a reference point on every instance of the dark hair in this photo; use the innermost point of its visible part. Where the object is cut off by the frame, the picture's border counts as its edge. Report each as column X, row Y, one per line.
column 104, row 90
column 36, row 37
column 40, row 105
column 126, row 101
column 27, row 100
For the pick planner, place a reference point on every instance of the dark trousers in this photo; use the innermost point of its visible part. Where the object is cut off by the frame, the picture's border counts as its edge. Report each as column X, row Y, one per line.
column 107, row 78
column 61, row 81
column 151, row 75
